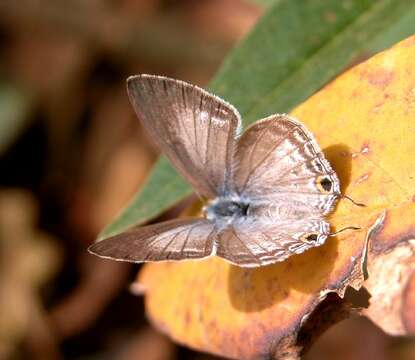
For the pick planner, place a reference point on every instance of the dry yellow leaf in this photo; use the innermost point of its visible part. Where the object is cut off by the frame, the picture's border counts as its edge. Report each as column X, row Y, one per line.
column 365, row 123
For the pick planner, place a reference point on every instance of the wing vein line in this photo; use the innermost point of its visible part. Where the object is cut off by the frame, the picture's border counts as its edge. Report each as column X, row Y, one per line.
column 181, row 120
column 206, row 157
column 213, row 250
column 195, row 129
column 285, row 156
column 246, row 247
column 229, row 159
column 259, row 245
column 297, row 166
column 187, row 238
column 252, row 151
column 261, row 162
column 302, row 192
column 157, row 238
column 171, row 240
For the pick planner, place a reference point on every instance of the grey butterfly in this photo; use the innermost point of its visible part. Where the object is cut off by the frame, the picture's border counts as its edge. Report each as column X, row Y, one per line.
column 270, row 188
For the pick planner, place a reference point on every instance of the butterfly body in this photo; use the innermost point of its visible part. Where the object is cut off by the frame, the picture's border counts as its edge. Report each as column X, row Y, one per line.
column 271, row 187
column 224, row 209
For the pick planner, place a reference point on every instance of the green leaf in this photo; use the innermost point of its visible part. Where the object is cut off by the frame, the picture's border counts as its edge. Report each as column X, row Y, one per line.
column 295, row 48
column 263, row 3
column 14, row 107
column 402, row 29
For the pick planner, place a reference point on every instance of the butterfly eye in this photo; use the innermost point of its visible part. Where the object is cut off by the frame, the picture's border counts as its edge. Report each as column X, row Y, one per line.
column 324, row 184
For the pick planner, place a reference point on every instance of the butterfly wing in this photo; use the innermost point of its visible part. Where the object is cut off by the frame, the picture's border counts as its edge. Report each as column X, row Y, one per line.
column 171, row 240
column 194, row 129
column 281, row 171
column 279, row 162
column 257, row 242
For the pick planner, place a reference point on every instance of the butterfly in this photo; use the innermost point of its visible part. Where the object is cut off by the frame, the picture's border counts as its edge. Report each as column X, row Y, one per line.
column 269, row 189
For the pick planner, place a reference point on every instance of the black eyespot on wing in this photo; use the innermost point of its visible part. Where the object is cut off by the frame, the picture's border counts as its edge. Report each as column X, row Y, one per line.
column 326, row 184
column 312, row 237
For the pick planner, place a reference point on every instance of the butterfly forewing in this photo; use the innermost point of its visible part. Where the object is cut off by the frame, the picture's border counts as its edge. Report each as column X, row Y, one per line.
column 170, row 240
column 279, row 162
column 194, row 129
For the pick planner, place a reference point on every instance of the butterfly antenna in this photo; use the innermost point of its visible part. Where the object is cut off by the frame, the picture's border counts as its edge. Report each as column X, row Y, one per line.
column 354, row 202
column 344, row 229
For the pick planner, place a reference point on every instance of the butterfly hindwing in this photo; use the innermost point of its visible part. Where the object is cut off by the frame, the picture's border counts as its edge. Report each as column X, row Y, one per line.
column 194, row 129
column 258, row 242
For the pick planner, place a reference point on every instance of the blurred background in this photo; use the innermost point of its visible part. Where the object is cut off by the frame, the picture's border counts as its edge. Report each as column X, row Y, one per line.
column 72, row 154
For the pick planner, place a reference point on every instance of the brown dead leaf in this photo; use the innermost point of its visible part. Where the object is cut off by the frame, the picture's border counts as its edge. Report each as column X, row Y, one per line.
column 149, row 345
column 391, row 266
column 364, row 123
